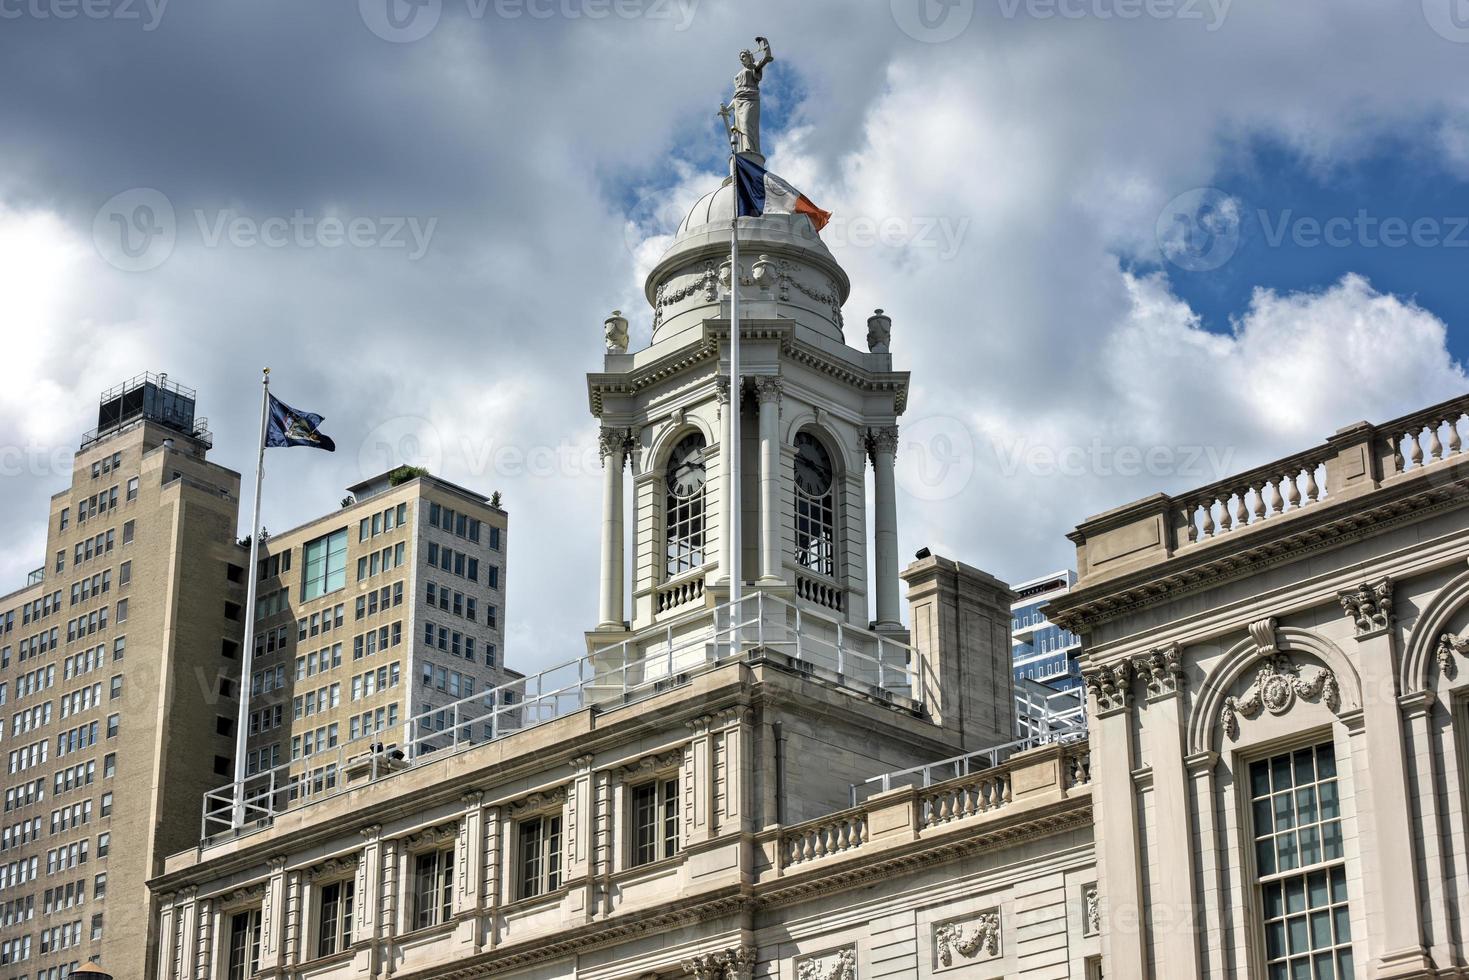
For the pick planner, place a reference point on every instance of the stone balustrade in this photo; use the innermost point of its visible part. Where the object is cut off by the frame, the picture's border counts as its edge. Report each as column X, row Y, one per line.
column 681, row 593
column 1242, row 510
column 1038, row 777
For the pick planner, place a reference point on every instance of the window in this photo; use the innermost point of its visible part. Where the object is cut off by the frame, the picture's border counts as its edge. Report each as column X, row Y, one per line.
column 106, row 804
column 116, row 688
column 1299, row 861
column 132, row 488
column 128, row 530
column 112, row 723
column 815, row 507
column 99, row 886
column 104, row 844
column 433, row 876
column 244, row 956
column 325, row 565
column 125, row 574
column 654, row 808
column 540, row 855
column 685, row 506
column 334, row 929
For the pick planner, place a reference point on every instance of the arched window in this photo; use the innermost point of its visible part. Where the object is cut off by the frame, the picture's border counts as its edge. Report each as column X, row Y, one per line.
column 684, row 518
column 815, row 507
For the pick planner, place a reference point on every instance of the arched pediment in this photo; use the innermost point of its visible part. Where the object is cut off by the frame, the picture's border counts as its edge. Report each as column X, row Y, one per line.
column 1439, row 644
column 1270, row 673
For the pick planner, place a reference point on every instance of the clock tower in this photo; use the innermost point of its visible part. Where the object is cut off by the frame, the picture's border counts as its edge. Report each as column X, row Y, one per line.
column 816, row 413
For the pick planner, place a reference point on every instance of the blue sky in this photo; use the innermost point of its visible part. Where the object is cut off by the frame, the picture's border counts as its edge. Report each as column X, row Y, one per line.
column 1279, row 190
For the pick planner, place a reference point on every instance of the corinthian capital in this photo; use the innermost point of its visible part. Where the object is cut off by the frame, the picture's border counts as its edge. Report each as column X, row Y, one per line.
column 1161, row 670
column 1111, row 685
column 882, row 439
column 768, row 388
column 1369, row 606
column 613, row 441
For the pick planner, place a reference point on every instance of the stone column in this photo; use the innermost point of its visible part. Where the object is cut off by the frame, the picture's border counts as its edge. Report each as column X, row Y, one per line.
column 1124, row 936
column 273, row 918
column 1369, row 607
column 767, row 393
column 167, row 939
column 882, row 446
column 613, row 448
column 726, row 483
column 1161, row 672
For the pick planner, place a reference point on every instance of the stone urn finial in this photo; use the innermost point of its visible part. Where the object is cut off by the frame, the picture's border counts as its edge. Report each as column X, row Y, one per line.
column 614, row 331
column 879, row 332
column 765, row 272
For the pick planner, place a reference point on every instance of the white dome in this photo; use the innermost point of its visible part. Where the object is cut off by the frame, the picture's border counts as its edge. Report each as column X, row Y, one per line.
column 813, row 279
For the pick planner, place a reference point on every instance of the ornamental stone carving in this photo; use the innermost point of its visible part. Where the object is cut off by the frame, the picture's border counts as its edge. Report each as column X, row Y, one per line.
column 334, row 868
column 768, row 388
column 537, row 802
column 1369, row 606
column 612, row 440
column 726, row 964
column 1448, row 645
column 614, row 333
column 1111, row 685
column 1160, row 670
column 648, row 765
column 432, row 836
column 879, row 332
column 1262, row 632
column 1091, row 902
column 981, row 940
column 1278, row 684
column 882, row 440
column 838, row 965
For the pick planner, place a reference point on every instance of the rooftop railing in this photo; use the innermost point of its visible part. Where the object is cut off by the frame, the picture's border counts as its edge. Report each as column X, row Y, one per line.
column 816, row 645
column 1042, row 717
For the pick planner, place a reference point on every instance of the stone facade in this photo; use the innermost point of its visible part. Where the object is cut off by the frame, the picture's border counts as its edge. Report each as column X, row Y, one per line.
column 1311, row 610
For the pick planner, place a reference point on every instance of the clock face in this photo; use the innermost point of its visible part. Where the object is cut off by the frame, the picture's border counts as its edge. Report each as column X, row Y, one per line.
column 813, row 466
column 686, row 467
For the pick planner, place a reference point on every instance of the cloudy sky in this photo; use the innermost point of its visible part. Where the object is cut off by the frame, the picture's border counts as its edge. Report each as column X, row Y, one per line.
column 1192, row 232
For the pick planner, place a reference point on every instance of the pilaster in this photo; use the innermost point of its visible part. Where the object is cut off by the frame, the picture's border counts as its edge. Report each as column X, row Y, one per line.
column 1124, row 933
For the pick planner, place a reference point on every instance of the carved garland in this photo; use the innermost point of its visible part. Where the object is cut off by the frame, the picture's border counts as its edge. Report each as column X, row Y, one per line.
column 842, row 966
column 728, row 964
column 1448, row 645
column 432, row 837
column 1092, row 902
column 334, row 868
column 1277, row 685
column 537, row 802
column 981, row 940
column 648, row 765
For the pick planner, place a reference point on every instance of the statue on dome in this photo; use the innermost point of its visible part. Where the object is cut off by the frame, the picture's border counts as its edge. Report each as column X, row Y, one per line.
column 746, row 102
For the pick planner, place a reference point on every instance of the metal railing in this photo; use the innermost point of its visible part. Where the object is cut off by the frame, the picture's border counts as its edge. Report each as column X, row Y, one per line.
column 641, row 667
column 1042, row 717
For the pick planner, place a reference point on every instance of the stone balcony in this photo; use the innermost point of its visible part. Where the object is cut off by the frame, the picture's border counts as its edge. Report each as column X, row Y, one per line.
column 1363, row 475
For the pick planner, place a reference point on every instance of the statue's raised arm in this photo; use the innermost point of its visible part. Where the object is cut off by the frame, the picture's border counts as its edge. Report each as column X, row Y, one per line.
column 746, row 102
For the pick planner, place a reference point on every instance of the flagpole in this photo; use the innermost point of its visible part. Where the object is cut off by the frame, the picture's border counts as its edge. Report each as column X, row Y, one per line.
column 252, row 577
column 735, row 578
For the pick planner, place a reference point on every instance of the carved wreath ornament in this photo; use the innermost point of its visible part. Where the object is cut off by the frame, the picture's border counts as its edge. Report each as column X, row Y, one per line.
column 1277, row 685
column 982, row 939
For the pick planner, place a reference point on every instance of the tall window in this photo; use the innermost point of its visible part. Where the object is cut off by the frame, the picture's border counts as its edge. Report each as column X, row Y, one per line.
column 244, row 944
column 433, row 877
column 325, row 565
column 334, row 931
column 1296, row 817
column 654, row 809
column 540, row 855
column 685, row 511
column 815, row 507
